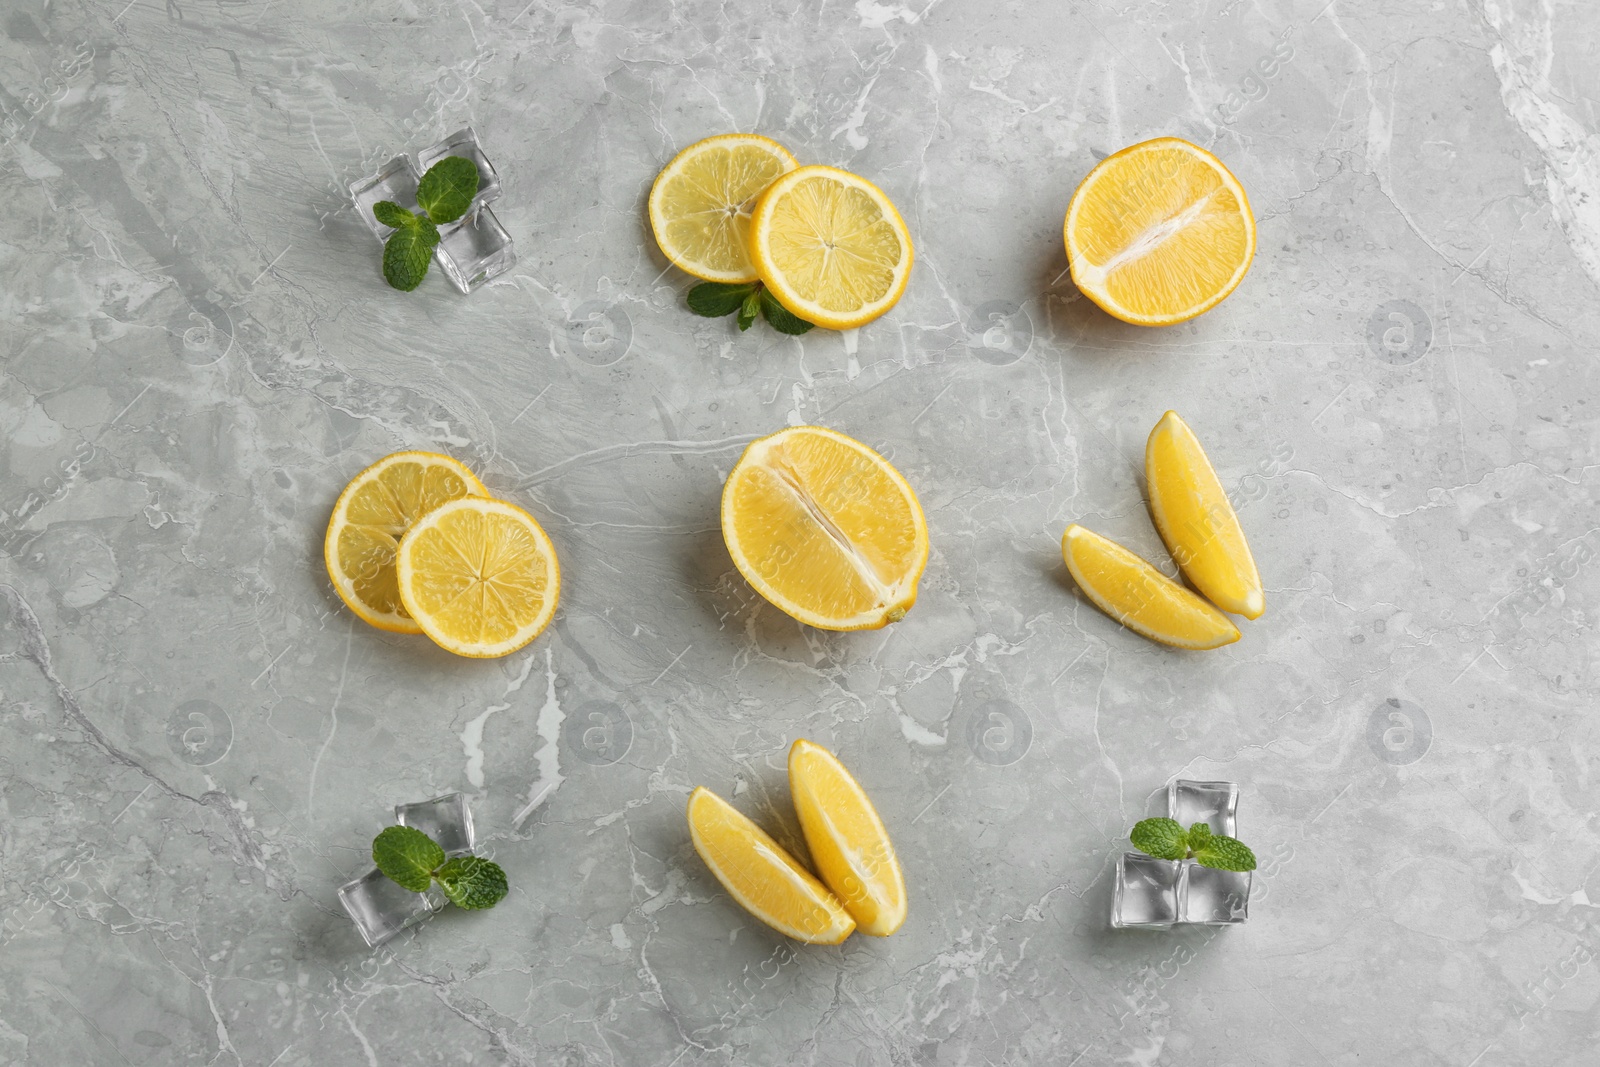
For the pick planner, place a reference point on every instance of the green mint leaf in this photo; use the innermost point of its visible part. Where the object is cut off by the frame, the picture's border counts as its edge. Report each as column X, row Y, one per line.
column 1225, row 854
column 472, row 883
column 406, row 254
column 1162, row 838
column 1199, row 833
column 407, row 856
column 392, row 214
column 446, row 191
column 716, row 299
column 750, row 309
column 781, row 318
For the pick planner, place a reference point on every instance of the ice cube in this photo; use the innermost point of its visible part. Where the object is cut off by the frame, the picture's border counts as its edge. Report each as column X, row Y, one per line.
column 1146, row 892
column 396, row 182
column 1214, row 803
column 446, row 819
column 381, row 908
column 464, row 143
column 1213, row 897
column 474, row 249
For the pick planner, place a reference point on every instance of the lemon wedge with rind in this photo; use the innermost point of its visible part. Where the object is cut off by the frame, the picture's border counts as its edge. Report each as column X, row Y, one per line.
column 372, row 515
column 701, row 201
column 479, row 576
column 825, row 529
column 1159, row 232
column 830, row 246
column 849, row 846
column 1200, row 527
column 761, row 875
column 1140, row 597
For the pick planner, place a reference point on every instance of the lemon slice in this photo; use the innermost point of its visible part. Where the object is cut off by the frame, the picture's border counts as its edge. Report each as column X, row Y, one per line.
column 848, row 843
column 830, row 246
column 1140, row 597
column 1196, row 521
column 825, row 529
column 1159, row 232
column 479, row 576
column 701, row 201
column 369, row 518
column 766, row 881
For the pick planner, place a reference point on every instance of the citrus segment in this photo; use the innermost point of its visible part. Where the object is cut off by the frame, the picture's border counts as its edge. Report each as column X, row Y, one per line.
column 700, row 203
column 1159, row 232
column 765, row 880
column 825, row 529
column 830, row 246
column 1140, row 597
column 371, row 516
column 848, row 843
column 1193, row 515
column 479, row 576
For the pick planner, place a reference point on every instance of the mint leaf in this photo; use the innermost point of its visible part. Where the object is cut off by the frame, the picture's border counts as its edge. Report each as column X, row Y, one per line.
column 1225, row 854
column 391, row 214
column 750, row 309
column 472, row 883
column 781, row 318
column 406, row 254
column 407, row 856
column 716, row 299
column 1161, row 838
column 446, row 191
column 1199, row 833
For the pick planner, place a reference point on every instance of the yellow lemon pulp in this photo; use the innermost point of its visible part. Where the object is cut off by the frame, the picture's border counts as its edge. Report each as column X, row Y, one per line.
column 825, row 529
column 1159, row 232
column 479, row 576
column 1193, row 515
column 848, row 843
column 1140, row 597
column 766, row 881
column 700, row 203
column 369, row 518
column 830, row 246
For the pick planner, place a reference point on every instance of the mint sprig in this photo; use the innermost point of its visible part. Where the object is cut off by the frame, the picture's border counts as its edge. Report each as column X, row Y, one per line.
column 414, row 861
column 749, row 299
column 444, row 194
column 1166, row 839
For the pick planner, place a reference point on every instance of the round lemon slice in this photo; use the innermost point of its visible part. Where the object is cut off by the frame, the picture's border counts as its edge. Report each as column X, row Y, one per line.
column 825, row 529
column 1159, row 233
column 479, row 576
column 848, row 843
column 700, row 203
column 372, row 515
column 1140, row 597
column 830, row 246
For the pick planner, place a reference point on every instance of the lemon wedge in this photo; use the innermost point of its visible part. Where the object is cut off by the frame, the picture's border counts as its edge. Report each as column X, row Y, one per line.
column 1140, row 597
column 848, row 843
column 766, row 881
column 701, row 201
column 1193, row 515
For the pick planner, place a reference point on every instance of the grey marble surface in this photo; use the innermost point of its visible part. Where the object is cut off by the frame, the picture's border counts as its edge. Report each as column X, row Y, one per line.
column 197, row 352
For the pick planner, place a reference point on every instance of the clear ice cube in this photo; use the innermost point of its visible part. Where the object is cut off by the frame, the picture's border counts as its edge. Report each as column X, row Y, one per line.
column 1216, row 898
column 381, row 908
column 1146, row 891
column 1214, row 803
column 446, row 819
column 474, row 249
column 464, row 143
column 397, row 181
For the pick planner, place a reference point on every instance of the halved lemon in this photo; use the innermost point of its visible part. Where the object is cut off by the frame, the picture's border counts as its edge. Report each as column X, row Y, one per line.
column 479, row 576
column 369, row 518
column 825, row 529
column 1159, row 232
column 830, row 246
column 848, row 843
column 766, row 881
column 1193, row 515
column 1140, row 597
column 701, row 201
